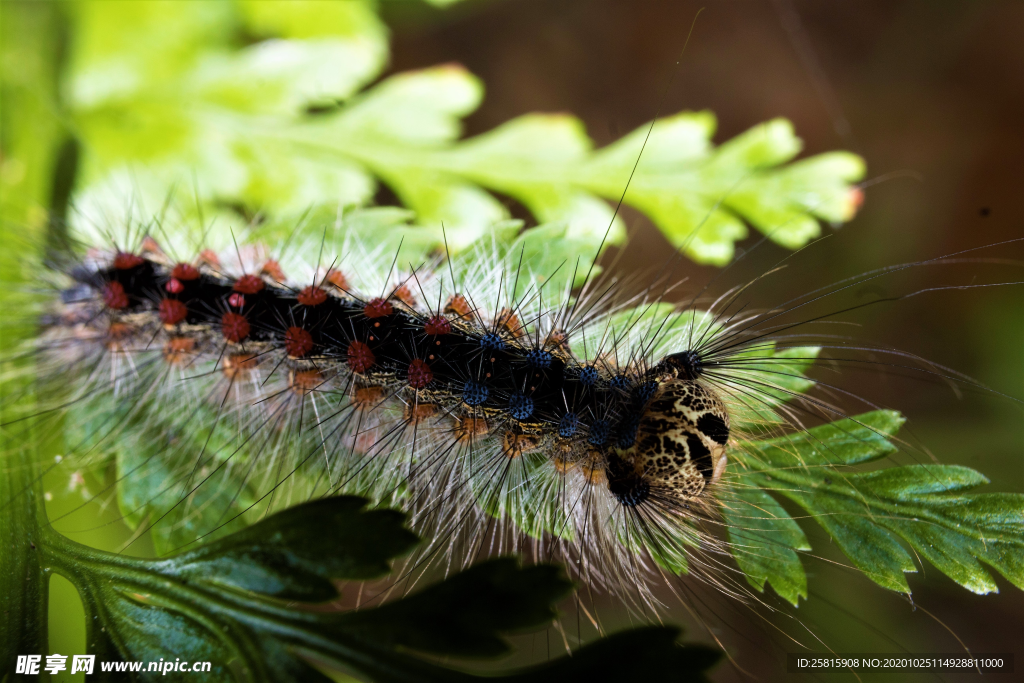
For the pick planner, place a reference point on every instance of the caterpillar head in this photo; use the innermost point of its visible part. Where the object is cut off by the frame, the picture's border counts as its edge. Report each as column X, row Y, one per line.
column 680, row 440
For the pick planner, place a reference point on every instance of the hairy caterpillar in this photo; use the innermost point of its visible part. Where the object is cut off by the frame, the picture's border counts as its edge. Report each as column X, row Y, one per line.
column 425, row 388
column 586, row 430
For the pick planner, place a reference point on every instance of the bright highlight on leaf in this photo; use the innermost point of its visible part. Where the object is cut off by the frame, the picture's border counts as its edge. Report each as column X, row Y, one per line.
column 164, row 99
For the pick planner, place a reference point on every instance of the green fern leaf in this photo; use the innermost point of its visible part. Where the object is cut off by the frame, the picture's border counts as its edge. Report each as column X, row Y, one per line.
column 254, row 604
column 872, row 516
column 164, row 99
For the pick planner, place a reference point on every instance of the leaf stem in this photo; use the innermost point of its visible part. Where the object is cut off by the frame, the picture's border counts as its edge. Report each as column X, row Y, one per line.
column 23, row 585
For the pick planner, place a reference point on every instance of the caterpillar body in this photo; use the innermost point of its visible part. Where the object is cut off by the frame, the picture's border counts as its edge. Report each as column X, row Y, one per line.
column 579, row 425
column 652, row 431
column 500, row 415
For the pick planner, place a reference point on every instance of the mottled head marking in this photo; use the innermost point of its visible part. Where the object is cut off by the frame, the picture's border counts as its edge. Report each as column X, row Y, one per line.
column 679, row 447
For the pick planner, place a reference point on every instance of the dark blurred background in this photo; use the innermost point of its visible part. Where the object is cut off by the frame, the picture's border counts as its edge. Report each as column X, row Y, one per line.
column 931, row 94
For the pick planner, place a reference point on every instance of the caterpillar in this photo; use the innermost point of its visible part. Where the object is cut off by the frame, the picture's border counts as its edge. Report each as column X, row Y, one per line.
column 596, row 430
column 472, row 393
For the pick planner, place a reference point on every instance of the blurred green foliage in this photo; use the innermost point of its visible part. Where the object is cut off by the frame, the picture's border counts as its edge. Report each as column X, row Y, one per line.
column 260, row 105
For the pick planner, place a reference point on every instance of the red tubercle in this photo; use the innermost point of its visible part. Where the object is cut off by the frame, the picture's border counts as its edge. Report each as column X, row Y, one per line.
column 378, row 308
column 437, row 326
column 209, row 257
column 509, row 322
column 150, row 246
column 297, row 342
column 419, row 374
column 248, row 284
column 174, row 286
column 234, row 327
column 185, row 272
column 114, row 296
column 458, row 307
column 172, row 311
column 404, row 294
column 236, row 300
column 337, row 278
column 124, row 260
column 312, row 296
column 273, row 269
column 360, row 357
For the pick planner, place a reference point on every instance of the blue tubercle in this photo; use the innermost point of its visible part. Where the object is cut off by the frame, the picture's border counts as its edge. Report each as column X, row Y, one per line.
column 538, row 359
column 567, row 425
column 475, row 393
column 599, row 432
column 492, row 342
column 520, row 407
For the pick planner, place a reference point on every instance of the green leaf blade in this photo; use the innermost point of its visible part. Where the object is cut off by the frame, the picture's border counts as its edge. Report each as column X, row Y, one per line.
column 238, row 619
column 293, row 554
column 845, row 442
column 871, row 515
column 764, row 540
column 435, row 620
